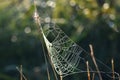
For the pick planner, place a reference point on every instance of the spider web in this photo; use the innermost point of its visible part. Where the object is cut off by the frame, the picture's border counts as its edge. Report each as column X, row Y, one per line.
column 66, row 56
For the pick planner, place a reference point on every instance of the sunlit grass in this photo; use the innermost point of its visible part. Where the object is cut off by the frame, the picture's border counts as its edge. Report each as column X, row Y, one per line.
column 4, row 3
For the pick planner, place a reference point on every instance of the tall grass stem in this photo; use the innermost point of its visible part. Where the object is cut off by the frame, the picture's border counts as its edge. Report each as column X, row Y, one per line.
column 93, row 58
column 112, row 62
column 88, row 71
column 22, row 76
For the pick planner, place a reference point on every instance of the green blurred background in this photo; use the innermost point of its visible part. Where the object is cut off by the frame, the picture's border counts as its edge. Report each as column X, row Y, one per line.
column 95, row 22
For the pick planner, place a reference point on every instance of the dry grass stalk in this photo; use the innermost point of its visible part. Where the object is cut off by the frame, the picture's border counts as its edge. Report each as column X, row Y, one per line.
column 61, row 77
column 21, row 73
column 88, row 71
column 112, row 62
column 48, row 74
column 55, row 75
column 93, row 58
column 37, row 19
column 54, row 71
column 93, row 76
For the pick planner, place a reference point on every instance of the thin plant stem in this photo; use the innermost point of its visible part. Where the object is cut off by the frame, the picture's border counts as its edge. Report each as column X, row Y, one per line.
column 48, row 74
column 46, row 62
column 38, row 23
column 93, row 76
column 55, row 75
column 20, row 72
column 61, row 77
column 88, row 71
column 93, row 58
column 22, row 76
column 37, row 19
column 112, row 62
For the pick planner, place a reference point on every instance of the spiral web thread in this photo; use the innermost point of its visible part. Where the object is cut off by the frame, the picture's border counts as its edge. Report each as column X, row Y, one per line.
column 67, row 57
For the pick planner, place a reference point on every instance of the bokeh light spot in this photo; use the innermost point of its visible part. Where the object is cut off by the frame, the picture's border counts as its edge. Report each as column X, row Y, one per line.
column 112, row 16
column 43, row 4
column 72, row 3
column 51, row 4
column 13, row 38
column 106, row 6
column 27, row 30
column 86, row 11
column 47, row 19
